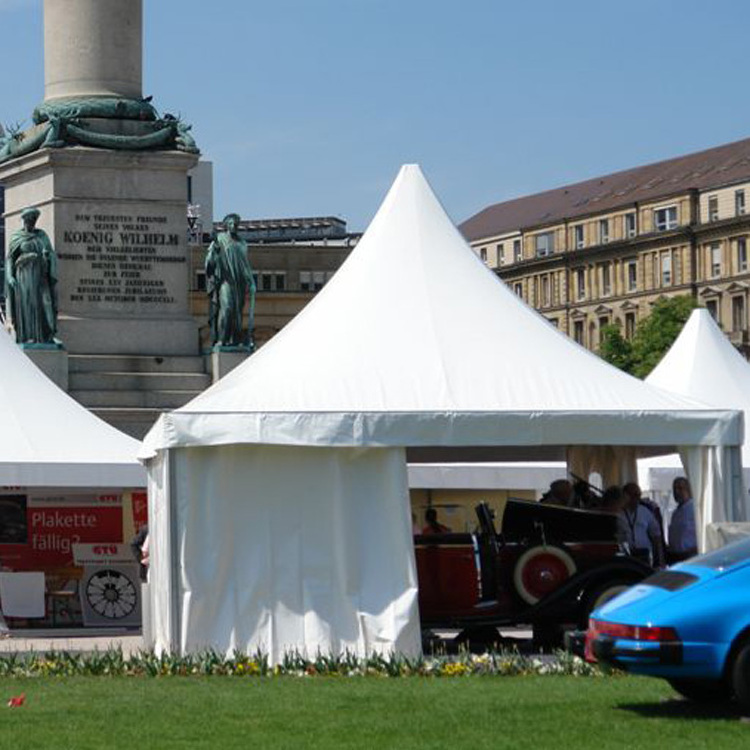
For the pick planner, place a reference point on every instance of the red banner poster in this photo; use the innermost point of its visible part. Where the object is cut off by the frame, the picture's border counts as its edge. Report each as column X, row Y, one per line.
column 51, row 532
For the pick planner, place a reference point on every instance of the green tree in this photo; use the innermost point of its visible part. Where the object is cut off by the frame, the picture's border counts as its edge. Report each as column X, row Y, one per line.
column 616, row 349
column 653, row 336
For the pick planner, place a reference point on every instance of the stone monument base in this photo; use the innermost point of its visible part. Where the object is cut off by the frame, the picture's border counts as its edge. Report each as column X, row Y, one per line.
column 220, row 361
column 51, row 360
column 118, row 222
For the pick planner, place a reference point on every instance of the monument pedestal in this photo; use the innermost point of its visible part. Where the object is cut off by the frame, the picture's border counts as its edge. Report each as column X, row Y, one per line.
column 219, row 362
column 52, row 361
column 118, row 222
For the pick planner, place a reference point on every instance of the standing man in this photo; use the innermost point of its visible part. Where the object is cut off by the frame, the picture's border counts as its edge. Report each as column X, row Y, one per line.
column 641, row 528
column 683, row 542
column 229, row 280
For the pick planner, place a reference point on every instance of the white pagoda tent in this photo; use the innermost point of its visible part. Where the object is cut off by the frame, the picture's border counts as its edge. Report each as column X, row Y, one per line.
column 701, row 364
column 279, row 497
column 49, row 440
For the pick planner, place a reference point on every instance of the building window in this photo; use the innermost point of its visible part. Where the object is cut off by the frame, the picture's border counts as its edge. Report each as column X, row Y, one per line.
column 554, row 321
column 483, row 254
column 518, row 289
column 603, row 231
column 266, row 281
column 603, row 323
column 545, row 291
column 630, row 230
column 501, row 254
column 738, row 313
column 629, row 325
column 665, row 218
column 677, row 270
column 544, row 244
column 741, row 254
column 305, row 281
column 279, row 281
column 319, row 279
column 712, row 306
column 578, row 331
column 713, row 208
column 739, row 202
column 578, row 238
column 666, row 269
column 581, row 283
column 632, row 275
column 606, row 280
column 517, row 253
column 715, row 259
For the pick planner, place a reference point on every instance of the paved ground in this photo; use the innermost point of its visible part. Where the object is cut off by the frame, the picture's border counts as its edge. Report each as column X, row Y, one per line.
column 27, row 641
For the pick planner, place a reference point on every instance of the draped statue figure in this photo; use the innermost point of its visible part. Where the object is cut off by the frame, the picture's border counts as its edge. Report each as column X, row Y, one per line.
column 229, row 281
column 31, row 282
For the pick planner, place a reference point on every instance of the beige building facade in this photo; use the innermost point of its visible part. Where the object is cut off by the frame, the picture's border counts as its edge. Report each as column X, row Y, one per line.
column 603, row 251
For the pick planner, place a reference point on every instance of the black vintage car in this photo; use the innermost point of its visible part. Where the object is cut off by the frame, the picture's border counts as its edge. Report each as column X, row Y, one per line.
column 550, row 566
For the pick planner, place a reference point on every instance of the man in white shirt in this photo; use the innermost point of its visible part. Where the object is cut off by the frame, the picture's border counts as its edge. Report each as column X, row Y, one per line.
column 641, row 529
column 682, row 538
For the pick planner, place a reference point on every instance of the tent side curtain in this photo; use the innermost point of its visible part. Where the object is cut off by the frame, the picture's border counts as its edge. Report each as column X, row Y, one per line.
column 284, row 549
column 162, row 627
column 381, row 429
column 715, row 475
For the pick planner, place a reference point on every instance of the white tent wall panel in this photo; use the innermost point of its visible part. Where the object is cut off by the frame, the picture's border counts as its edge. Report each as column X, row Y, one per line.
column 285, row 549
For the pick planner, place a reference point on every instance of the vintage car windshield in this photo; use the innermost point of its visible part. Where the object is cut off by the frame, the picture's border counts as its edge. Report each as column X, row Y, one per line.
column 725, row 557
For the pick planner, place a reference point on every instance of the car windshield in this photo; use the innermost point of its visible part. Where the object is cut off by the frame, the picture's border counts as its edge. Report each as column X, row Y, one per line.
column 725, row 557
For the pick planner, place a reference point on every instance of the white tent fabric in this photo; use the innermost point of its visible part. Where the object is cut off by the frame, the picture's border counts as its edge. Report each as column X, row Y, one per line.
column 316, row 565
column 413, row 344
column 486, row 476
column 50, row 440
column 701, row 364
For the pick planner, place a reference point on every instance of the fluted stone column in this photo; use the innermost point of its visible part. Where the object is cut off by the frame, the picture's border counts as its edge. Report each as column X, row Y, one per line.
column 93, row 48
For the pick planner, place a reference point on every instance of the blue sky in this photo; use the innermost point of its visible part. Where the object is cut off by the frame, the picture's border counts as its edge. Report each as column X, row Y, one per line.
column 308, row 107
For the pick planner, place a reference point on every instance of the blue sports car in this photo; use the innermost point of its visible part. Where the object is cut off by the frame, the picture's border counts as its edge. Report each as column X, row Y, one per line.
column 689, row 624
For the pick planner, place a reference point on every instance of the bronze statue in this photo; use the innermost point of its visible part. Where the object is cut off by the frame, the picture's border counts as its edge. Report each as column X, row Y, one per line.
column 229, row 280
column 31, row 282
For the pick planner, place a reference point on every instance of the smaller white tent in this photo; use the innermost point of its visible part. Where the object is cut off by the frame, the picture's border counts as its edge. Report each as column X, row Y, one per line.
column 49, row 440
column 701, row 364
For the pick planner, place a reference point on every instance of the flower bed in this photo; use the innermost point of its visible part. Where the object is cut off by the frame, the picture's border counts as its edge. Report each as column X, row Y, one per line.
column 148, row 664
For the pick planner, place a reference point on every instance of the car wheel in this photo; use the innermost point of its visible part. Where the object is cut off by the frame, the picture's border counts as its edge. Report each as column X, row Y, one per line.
column 540, row 570
column 701, row 691
column 599, row 595
column 740, row 675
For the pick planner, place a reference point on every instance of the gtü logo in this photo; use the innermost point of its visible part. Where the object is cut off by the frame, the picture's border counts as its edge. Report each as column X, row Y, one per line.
column 102, row 549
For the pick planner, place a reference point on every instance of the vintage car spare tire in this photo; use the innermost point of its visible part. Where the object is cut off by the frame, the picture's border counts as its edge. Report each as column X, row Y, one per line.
column 540, row 570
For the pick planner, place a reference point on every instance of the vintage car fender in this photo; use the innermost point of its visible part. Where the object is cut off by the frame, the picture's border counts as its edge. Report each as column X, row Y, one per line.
column 577, row 596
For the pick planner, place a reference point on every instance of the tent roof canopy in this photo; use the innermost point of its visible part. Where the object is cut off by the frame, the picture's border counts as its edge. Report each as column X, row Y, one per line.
column 703, row 364
column 415, row 343
column 50, row 440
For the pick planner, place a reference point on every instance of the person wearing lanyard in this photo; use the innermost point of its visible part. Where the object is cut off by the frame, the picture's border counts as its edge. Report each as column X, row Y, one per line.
column 642, row 530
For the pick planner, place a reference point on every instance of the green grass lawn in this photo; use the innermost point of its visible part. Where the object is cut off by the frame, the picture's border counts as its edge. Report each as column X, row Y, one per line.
column 362, row 713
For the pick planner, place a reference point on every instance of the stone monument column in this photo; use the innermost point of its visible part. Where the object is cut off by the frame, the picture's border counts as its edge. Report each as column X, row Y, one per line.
column 93, row 48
